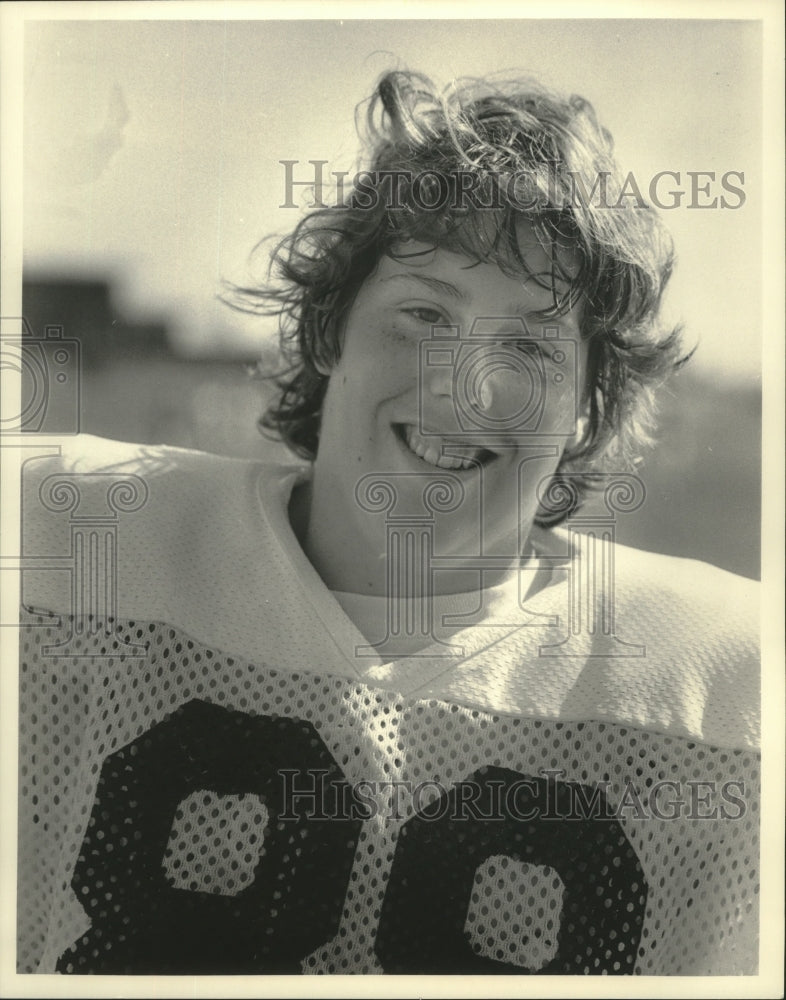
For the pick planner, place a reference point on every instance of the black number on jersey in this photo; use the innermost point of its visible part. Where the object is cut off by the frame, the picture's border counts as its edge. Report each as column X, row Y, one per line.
column 140, row 922
column 143, row 923
column 531, row 821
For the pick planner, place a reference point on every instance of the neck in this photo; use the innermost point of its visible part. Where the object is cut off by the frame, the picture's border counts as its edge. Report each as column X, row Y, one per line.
column 354, row 557
column 344, row 560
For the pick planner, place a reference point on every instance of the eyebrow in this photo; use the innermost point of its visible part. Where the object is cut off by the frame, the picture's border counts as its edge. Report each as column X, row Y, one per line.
column 435, row 284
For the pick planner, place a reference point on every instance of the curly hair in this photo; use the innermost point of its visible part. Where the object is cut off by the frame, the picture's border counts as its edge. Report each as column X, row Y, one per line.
column 459, row 160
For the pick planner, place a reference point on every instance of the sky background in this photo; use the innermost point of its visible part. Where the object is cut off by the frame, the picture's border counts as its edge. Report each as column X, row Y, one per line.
column 152, row 148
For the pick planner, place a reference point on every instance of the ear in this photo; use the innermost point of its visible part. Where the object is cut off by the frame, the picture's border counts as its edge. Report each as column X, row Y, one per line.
column 324, row 362
column 327, row 353
column 582, row 424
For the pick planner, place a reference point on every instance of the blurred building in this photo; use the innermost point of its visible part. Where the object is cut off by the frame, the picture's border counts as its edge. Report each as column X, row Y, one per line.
column 134, row 384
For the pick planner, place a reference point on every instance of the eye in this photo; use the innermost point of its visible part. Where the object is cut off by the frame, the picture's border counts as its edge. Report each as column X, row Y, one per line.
column 527, row 346
column 426, row 314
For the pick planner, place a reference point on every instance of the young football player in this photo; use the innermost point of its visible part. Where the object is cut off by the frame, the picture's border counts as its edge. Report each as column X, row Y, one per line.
column 402, row 704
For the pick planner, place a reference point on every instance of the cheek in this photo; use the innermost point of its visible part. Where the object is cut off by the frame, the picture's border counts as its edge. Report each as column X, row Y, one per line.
column 395, row 335
column 389, row 359
column 371, row 337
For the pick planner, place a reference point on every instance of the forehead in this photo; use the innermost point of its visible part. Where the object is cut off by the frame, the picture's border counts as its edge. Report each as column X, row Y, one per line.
column 534, row 276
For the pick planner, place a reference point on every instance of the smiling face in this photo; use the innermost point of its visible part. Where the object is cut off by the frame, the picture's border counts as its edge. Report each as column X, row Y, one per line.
column 446, row 372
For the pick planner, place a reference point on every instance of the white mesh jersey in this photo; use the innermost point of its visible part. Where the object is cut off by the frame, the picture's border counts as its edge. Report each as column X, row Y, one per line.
column 211, row 781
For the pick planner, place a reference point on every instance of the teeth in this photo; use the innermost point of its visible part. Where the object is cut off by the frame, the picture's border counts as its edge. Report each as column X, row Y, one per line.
column 431, row 453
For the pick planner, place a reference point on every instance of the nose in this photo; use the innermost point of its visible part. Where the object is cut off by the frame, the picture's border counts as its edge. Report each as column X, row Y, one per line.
column 495, row 383
column 501, row 386
column 440, row 380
